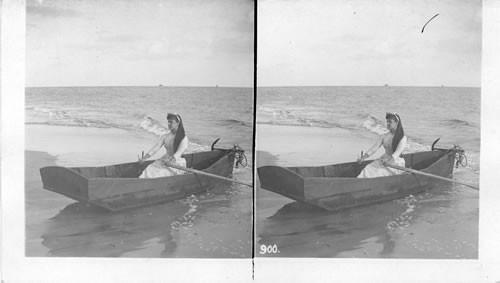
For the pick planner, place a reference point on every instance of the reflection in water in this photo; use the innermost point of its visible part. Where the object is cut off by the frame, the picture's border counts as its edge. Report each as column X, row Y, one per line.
column 87, row 230
column 180, row 228
column 379, row 230
column 300, row 229
column 170, row 244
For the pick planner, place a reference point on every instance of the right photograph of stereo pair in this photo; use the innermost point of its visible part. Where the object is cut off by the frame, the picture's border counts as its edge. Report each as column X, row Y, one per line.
column 368, row 129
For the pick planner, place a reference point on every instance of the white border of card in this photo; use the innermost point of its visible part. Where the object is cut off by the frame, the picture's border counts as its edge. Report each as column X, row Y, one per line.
column 18, row 268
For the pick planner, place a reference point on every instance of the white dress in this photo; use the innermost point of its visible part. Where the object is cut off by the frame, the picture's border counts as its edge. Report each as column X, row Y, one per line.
column 158, row 168
column 377, row 168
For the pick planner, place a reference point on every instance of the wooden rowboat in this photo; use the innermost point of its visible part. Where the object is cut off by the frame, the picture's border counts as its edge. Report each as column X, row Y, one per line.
column 117, row 187
column 335, row 187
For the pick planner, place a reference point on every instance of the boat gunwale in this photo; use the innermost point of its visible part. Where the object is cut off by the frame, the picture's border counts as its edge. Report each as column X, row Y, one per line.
column 72, row 169
column 445, row 154
column 228, row 152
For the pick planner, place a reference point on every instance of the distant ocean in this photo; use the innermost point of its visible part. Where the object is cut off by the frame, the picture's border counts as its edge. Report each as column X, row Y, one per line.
column 208, row 112
column 452, row 114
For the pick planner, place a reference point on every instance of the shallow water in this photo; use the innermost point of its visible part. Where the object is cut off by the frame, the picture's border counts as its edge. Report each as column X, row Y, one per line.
column 437, row 224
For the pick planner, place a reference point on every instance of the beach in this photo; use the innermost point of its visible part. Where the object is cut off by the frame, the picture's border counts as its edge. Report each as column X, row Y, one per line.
column 440, row 223
column 216, row 224
column 333, row 125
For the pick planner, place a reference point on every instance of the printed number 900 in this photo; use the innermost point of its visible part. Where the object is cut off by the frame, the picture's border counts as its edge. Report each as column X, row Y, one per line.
column 268, row 249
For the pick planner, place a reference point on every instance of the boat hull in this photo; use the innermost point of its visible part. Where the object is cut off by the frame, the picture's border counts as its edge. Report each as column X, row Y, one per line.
column 336, row 187
column 117, row 187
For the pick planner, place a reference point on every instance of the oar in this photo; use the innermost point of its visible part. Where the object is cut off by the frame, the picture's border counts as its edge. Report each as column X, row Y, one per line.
column 207, row 174
column 427, row 174
column 142, row 157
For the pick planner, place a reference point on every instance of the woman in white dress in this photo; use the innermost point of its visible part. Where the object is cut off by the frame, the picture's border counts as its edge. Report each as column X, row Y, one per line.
column 394, row 143
column 175, row 143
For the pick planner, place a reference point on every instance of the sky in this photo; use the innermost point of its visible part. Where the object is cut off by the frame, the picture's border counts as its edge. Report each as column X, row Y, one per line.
column 369, row 43
column 139, row 43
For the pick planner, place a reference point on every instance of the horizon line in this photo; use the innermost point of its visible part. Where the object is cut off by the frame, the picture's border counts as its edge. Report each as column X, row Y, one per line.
column 152, row 86
column 368, row 86
column 262, row 86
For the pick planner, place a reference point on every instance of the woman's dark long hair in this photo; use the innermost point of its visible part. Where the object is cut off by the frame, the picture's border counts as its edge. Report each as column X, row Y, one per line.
column 399, row 133
column 180, row 134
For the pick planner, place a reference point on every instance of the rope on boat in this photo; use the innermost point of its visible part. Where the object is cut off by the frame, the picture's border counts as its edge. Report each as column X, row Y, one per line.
column 460, row 157
column 239, row 156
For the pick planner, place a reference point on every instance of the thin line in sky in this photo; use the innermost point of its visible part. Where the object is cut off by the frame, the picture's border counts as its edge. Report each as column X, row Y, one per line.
column 428, row 22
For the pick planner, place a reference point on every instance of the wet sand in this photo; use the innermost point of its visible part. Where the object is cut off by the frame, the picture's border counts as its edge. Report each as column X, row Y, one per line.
column 441, row 223
column 216, row 224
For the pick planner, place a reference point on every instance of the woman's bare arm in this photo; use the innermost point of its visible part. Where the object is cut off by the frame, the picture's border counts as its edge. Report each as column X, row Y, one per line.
column 155, row 148
column 375, row 146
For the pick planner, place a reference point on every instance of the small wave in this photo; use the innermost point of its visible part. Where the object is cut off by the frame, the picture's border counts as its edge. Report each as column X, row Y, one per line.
column 456, row 123
column 140, row 115
column 362, row 115
column 230, row 122
column 153, row 126
column 318, row 123
column 57, row 117
column 266, row 108
column 52, row 113
column 70, row 124
column 302, row 123
column 277, row 113
column 287, row 118
column 75, row 122
column 375, row 125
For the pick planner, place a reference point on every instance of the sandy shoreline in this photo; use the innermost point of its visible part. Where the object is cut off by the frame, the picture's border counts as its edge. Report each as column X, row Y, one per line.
column 216, row 224
column 441, row 223
column 82, row 146
column 310, row 145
